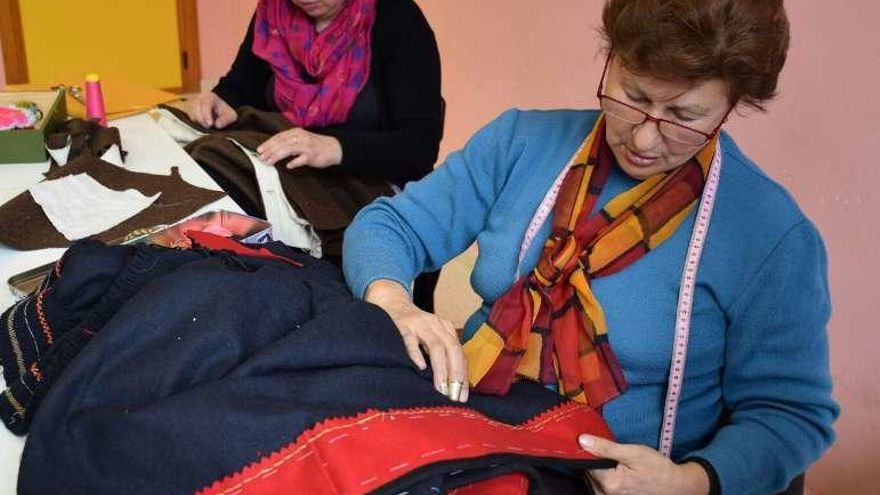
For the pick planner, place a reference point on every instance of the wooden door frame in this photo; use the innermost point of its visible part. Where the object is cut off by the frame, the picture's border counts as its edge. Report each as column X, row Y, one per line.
column 15, row 56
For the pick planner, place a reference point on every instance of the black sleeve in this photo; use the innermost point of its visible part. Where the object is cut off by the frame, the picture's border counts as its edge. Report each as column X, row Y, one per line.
column 410, row 84
column 247, row 79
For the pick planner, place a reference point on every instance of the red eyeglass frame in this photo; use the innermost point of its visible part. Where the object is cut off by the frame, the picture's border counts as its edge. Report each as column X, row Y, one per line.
column 649, row 117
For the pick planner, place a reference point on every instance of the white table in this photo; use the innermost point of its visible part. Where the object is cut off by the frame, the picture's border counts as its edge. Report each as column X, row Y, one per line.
column 150, row 150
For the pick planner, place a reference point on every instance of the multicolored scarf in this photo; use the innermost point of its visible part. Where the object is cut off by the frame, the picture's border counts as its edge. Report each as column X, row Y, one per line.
column 317, row 75
column 549, row 326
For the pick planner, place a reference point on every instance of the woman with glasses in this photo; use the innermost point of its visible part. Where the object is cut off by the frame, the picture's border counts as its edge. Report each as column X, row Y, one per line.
column 634, row 259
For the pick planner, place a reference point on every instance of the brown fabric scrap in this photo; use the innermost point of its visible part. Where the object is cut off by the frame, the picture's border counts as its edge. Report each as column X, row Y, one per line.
column 24, row 226
column 86, row 137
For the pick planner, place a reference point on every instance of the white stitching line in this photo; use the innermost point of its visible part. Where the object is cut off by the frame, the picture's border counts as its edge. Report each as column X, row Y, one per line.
column 398, row 467
column 340, row 437
column 30, row 330
column 433, row 452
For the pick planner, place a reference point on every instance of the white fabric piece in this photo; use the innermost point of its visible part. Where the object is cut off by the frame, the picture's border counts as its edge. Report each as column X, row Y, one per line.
column 79, row 206
column 179, row 131
column 113, row 155
column 60, row 155
column 287, row 226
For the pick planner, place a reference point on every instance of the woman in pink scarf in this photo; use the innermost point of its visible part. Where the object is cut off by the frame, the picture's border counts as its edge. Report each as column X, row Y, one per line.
column 359, row 80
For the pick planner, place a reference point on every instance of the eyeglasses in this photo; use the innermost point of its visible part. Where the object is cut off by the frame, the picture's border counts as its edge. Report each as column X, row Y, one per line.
column 636, row 116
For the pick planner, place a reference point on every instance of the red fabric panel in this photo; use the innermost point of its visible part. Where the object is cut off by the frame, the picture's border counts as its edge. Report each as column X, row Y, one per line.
column 214, row 242
column 367, row 451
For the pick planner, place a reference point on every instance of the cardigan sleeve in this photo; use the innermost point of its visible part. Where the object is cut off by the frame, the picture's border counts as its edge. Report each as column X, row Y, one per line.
column 409, row 82
column 776, row 382
column 246, row 81
column 433, row 219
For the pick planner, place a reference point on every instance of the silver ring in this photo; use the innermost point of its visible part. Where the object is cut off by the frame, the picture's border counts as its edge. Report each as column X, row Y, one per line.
column 455, row 389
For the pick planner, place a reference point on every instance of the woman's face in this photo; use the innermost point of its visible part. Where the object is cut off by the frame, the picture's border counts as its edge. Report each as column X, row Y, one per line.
column 320, row 9
column 641, row 150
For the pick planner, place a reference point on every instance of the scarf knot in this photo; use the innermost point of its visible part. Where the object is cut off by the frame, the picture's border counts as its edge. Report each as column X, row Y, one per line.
column 560, row 261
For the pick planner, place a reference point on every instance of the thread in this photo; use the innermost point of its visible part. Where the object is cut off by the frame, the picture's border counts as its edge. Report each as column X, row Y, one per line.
column 95, row 100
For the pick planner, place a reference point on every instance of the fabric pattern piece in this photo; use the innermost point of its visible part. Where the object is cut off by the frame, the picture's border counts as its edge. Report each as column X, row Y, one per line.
column 549, row 326
column 24, row 226
column 79, row 206
column 317, row 75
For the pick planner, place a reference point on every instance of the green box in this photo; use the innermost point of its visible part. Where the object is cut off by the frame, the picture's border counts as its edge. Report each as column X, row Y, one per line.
column 29, row 145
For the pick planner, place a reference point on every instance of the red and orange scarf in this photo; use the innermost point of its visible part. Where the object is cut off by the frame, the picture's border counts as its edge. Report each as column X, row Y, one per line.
column 549, row 326
column 317, row 75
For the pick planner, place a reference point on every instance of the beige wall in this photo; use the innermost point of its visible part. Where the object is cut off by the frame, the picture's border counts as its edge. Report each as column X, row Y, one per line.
column 820, row 139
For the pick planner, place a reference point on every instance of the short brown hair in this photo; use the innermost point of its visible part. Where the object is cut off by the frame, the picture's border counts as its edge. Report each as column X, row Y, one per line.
column 743, row 42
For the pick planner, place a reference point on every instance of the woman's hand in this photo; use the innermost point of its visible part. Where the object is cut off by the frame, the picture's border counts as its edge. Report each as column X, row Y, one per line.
column 210, row 110
column 642, row 470
column 420, row 329
column 307, row 148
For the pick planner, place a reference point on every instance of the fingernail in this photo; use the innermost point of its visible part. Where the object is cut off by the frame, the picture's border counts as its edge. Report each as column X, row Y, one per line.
column 443, row 389
column 586, row 441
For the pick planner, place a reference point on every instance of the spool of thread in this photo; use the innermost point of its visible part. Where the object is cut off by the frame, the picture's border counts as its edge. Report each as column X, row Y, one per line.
column 95, row 99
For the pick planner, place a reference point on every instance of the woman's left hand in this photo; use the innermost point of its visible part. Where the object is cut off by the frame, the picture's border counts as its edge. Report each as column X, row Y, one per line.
column 307, row 148
column 642, row 470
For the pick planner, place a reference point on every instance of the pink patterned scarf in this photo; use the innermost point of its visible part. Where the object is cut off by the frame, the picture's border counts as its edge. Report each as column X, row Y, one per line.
column 317, row 75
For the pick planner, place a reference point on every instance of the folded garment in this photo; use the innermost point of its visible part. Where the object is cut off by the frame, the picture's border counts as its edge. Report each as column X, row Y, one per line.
column 233, row 373
column 287, row 225
column 79, row 206
column 328, row 199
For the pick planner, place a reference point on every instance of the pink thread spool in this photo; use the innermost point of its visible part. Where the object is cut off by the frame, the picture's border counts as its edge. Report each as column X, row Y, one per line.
column 95, row 99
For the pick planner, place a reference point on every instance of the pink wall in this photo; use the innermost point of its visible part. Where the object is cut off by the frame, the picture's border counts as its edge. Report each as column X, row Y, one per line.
column 222, row 25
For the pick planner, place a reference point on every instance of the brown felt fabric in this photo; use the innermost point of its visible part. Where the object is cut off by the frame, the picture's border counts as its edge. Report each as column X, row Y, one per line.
column 24, row 226
column 86, row 137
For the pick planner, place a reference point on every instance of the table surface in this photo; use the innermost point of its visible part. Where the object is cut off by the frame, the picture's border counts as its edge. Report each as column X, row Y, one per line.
column 150, row 150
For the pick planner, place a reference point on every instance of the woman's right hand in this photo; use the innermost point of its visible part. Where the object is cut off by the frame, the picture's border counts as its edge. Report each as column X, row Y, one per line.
column 421, row 329
column 210, row 110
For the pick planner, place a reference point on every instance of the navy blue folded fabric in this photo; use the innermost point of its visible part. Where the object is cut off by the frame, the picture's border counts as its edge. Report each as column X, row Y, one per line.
column 216, row 361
